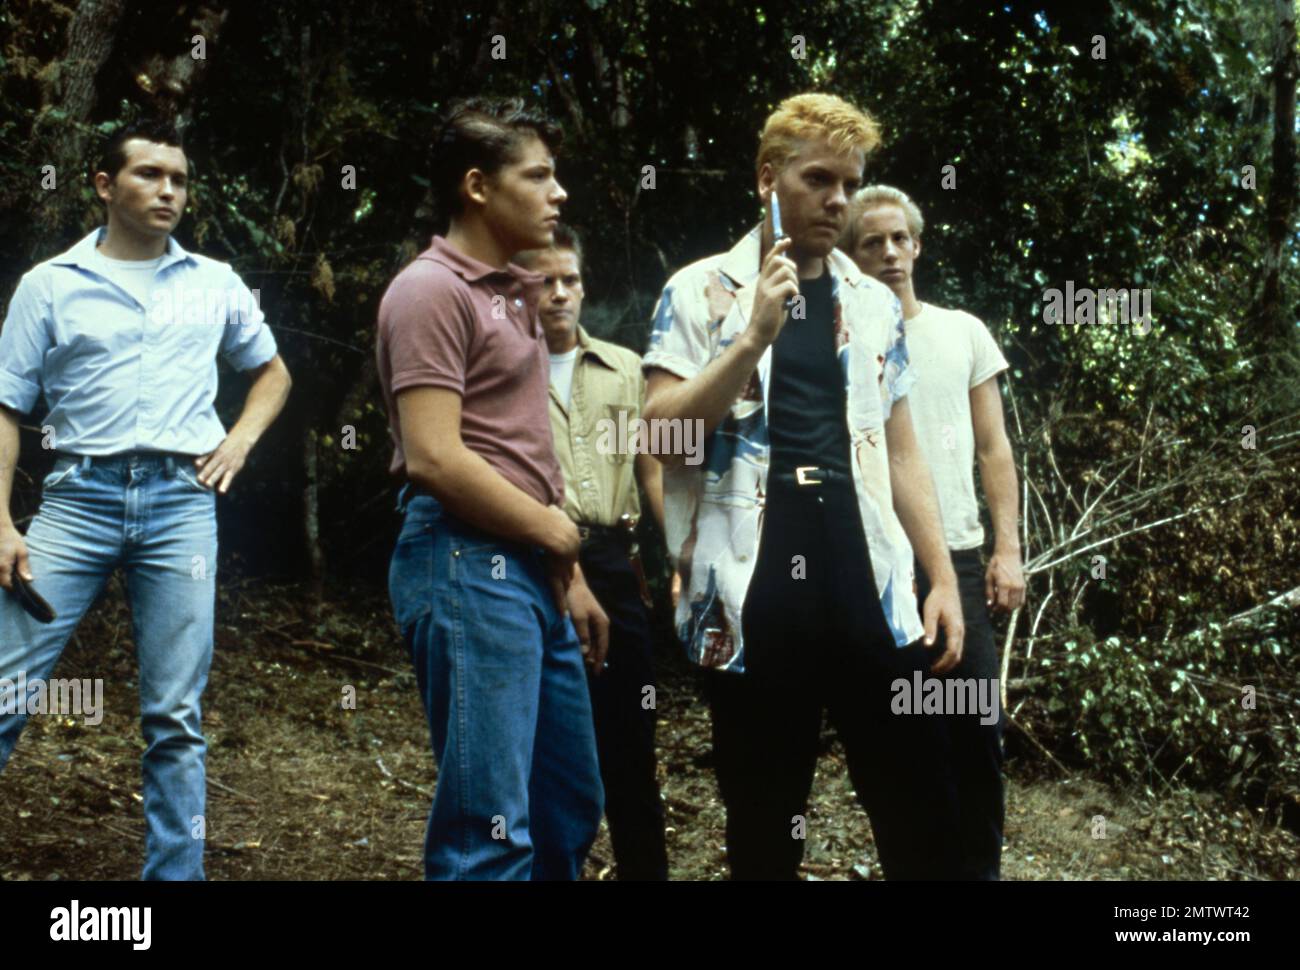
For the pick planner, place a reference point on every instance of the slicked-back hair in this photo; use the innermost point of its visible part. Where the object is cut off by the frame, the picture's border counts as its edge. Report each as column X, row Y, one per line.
column 872, row 197
column 112, row 155
column 808, row 117
column 566, row 237
column 483, row 133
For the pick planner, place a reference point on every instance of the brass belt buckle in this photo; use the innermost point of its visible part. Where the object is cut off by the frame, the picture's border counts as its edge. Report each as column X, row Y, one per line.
column 801, row 475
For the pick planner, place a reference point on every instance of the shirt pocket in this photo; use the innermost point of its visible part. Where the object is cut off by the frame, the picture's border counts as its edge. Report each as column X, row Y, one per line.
column 624, row 439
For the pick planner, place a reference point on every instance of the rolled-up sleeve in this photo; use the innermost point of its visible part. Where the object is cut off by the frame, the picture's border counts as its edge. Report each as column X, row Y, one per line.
column 247, row 341
column 24, row 341
column 679, row 340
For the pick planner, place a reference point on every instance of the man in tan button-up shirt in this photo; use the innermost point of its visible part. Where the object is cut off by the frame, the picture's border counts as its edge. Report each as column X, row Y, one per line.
column 606, row 382
column 596, row 395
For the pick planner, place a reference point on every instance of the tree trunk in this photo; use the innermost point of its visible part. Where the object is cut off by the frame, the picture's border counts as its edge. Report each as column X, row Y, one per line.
column 311, row 520
column 91, row 32
column 174, row 78
column 1270, row 311
column 363, row 389
column 68, row 86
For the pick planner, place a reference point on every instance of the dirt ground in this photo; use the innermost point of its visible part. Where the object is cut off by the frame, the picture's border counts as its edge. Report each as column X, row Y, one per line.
column 300, row 788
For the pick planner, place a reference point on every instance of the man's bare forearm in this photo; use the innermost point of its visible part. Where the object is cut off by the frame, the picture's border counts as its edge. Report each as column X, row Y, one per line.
column 998, row 475
column 915, row 499
column 265, row 400
column 8, row 462
column 708, row 395
column 474, row 491
column 651, row 475
column 918, row 513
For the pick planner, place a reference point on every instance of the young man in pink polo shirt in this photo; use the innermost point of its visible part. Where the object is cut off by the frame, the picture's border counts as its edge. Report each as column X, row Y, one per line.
column 484, row 578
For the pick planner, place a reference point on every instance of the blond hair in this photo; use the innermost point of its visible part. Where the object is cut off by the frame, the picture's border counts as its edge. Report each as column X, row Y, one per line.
column 806, row 117
column 872, row 197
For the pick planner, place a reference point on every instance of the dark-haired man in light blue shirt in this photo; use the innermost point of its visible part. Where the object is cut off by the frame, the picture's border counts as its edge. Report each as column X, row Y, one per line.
column 121, row 335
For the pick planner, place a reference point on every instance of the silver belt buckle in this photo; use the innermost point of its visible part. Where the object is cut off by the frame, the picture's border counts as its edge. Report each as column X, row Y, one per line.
column 801, row 475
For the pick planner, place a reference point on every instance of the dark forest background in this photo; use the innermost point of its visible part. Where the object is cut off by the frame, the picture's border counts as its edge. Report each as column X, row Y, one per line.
column 1148, row 144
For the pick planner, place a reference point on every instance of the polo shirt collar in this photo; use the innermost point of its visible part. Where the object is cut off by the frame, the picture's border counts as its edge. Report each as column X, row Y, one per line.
column 82, row 255
column 742, row 263
column 472, row 270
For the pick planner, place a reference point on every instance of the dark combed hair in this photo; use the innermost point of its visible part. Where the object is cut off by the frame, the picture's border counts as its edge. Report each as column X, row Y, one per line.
column 565, row 237
column 482, row 133
column 113, row 154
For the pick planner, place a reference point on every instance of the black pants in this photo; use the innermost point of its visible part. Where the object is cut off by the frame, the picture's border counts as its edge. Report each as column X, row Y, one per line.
column 816, row 641
column 976, row 747
column 625, row 716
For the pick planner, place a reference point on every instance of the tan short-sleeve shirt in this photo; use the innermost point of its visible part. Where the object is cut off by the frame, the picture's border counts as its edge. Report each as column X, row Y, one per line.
column 595, row 433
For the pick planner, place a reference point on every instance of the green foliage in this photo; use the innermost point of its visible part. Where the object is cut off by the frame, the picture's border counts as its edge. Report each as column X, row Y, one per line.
column 1114, row 173
column 1155, row 712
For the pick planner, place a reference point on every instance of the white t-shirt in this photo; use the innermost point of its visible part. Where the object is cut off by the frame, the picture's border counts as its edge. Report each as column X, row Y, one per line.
column 133, row 275
column 951, row 352
column 562, row 374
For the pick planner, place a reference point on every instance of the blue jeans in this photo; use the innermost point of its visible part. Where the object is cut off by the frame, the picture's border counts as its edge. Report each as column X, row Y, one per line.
column 501, row 675
column 149, row 515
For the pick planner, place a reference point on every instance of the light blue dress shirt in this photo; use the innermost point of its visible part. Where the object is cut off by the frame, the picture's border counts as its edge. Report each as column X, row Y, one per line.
column 121, row 375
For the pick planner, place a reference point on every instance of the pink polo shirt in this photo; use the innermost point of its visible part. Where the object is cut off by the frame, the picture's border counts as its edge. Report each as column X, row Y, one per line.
column 448, row 320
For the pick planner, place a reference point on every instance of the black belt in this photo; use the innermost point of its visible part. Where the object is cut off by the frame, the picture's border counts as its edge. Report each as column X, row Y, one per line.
column 607, row 533
column 812, row 475
column 622, row 535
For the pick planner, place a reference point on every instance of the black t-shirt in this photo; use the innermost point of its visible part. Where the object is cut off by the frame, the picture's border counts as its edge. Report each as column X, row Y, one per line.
column 806, row 405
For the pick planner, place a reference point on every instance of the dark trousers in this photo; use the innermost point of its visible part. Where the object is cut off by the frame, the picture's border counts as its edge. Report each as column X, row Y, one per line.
column 816, row 641
column 976, row 747
column 624, row 715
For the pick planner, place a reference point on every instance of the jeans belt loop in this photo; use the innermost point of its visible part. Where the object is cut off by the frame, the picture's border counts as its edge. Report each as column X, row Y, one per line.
column 85, row 463
column 169, row 466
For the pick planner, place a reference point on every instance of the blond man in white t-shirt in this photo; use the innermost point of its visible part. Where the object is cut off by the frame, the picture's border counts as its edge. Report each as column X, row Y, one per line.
column 957, row 413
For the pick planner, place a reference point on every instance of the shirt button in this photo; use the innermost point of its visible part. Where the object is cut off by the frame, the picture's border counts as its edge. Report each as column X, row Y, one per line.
column 578, row 439
column 743, row 558
column 518, row 302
